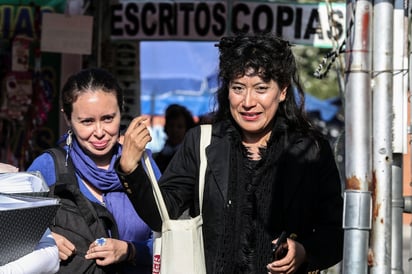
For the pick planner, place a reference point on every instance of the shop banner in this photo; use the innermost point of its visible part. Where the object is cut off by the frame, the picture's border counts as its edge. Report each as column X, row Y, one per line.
column 316, row 24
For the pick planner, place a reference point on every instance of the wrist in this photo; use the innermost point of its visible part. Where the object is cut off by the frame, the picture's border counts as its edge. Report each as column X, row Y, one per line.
column 122, row 169
column 131, row 253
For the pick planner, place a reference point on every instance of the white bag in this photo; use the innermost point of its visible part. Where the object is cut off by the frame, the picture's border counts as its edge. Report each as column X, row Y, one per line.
column 178, row 249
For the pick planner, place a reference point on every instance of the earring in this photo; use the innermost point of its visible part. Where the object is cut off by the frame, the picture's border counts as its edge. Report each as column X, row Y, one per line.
column 69, row 137
column 68, row 144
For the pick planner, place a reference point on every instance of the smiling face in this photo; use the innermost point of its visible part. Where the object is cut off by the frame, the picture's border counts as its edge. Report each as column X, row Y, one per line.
column 253, row 104
column 95, row 121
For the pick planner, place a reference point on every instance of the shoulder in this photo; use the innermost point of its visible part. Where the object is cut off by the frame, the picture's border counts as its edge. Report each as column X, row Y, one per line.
column 309, row 147
column 192, row 134
column 45, row 164
column 219, row 130
column 43, row 161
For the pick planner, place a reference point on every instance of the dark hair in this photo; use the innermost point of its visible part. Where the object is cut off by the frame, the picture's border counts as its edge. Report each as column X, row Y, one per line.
column 91, row 79
column 175, row 110
column 269, row 57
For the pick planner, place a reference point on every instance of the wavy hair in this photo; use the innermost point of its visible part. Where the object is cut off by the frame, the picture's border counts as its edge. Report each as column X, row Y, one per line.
column 268, row 57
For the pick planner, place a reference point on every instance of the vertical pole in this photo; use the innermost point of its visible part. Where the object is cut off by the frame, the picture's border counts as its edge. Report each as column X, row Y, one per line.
column 380, row 255
column 408, row 199
column 358, row 171
column 399, row 106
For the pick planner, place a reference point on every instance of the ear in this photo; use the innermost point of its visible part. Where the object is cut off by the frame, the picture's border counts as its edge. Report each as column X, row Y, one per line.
column 65, row 119
column 283, row 93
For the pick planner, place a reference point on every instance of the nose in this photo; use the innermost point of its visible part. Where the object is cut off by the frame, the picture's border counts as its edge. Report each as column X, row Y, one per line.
column 99, row 130
column 249, row 100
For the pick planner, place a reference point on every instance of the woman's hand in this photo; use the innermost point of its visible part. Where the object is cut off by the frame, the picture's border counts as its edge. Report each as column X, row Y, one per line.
column 291, row 262
column 134, row 142
column 112, row 251
column 66, row 248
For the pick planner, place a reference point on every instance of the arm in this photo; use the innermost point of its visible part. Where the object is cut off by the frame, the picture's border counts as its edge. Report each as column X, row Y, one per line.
column 314, row 209
column 139, row 191
column 324, row 247
column 44, row 259
column 177, row 184
column 143, row 254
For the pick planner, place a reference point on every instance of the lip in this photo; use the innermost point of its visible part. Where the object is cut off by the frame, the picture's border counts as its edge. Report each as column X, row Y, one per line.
column 99, row 145
column 250, row 116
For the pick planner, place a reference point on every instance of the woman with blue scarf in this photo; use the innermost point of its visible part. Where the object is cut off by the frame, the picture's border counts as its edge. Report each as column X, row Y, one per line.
column 92, row 102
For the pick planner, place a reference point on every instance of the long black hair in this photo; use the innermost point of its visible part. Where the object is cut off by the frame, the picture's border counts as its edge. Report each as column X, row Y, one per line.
column 269, row 57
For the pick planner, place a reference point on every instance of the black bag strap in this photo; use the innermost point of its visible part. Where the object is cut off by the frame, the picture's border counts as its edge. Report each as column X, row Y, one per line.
column 66, row 181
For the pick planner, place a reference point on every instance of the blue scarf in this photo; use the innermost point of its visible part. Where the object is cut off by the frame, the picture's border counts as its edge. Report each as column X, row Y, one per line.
column 104, row 180
column 129, row 224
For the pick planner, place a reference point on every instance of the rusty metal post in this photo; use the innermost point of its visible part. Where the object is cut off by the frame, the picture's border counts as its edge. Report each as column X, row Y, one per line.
column 400, row 133
column 382, row 117
column 358, row 133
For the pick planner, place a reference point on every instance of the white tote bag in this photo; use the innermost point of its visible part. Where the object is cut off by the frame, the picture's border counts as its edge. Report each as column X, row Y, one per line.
column 178, row 249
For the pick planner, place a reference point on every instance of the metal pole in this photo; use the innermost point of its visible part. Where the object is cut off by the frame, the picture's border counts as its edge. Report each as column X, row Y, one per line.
column 400, row 86
column 397, row 211
column 408, row 202
column 358, row 171
column 380, row 253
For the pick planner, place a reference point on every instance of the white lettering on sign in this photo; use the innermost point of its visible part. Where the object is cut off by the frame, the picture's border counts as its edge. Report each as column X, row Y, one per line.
column 308, row 24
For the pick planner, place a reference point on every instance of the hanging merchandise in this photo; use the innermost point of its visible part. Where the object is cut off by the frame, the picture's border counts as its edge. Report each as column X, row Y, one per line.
column 15, row 105
column 18, row 87
column 20, row 53
column 26, row 95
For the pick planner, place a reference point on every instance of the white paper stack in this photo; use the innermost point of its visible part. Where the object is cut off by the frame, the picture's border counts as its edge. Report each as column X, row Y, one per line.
column 23, row 182
column 8, row 202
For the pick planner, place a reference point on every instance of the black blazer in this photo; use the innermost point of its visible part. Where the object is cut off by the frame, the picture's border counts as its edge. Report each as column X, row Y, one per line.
column 310, row 201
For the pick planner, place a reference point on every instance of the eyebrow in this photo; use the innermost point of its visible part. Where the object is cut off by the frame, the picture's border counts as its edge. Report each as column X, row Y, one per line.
column 259, row 83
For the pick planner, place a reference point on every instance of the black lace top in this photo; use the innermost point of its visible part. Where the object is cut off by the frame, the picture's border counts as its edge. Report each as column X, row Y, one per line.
column 245, row 246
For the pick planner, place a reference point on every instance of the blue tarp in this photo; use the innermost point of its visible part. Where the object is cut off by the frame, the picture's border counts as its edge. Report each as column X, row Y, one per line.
column 176, row 72
column 326, row 108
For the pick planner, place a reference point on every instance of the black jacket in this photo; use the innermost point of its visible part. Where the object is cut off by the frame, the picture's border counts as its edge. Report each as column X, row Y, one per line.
column 310, row 201
column 79, row 220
